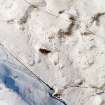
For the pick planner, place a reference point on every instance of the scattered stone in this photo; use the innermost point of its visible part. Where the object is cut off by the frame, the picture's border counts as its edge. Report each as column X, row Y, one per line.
column 44, row 51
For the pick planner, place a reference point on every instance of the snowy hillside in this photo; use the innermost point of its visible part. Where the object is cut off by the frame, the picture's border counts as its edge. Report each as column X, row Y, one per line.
column 60, row 41
column 18, row 86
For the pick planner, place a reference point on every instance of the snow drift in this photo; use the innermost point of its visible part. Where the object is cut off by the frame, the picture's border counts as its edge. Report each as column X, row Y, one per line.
column 20, row 81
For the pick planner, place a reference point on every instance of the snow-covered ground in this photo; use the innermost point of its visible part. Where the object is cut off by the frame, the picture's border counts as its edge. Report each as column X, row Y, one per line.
column 18, row 86
column 62, row 42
